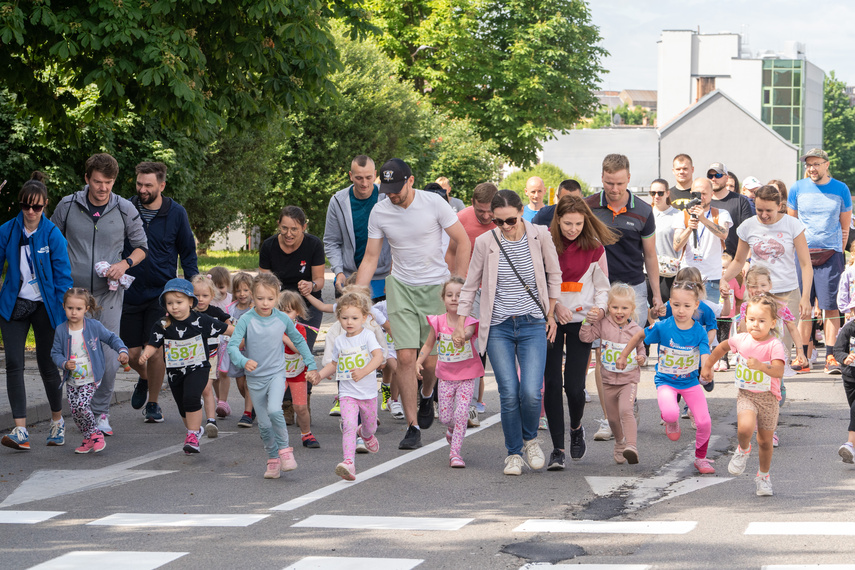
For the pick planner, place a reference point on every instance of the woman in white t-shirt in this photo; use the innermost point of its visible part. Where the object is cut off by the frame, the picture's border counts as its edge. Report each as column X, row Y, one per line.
column 775, row 240
column 666, row 217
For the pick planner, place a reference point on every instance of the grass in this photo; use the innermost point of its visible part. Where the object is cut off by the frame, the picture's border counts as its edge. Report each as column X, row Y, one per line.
column 231, row 260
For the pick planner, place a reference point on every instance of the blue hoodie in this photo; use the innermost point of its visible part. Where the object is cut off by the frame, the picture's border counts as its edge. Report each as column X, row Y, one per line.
column 94, row 333
column 50, row 261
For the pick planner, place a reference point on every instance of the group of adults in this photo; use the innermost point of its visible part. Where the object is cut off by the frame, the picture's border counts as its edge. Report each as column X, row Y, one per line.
column 530, row 283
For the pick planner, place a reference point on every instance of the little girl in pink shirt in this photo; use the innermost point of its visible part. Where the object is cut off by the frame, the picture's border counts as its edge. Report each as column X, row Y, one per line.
column 457, row 368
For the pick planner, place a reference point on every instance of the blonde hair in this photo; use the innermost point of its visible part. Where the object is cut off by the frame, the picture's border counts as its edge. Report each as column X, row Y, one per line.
column 239, row 279
column 221, row 277
column 85, row 295
column 692, row 275
column 205, row 281
column 771, row 304
column 353, row 299
column 267, row 280
column 292, row 301
column 756, row 271
column 623, row 291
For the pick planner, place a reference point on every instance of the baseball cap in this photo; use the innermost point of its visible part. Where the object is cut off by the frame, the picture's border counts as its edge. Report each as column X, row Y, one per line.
column 179, row 285
column 751, row 183
column 815, row 152
column 394, row 175
column 718, row 167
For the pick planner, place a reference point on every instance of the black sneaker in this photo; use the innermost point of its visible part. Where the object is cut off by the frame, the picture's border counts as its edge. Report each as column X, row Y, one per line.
column 556, row 460
column 425, row 415
column 153, row 413
column 709, row 387
column 413, row 439
column 577, row 444
column 140, row 396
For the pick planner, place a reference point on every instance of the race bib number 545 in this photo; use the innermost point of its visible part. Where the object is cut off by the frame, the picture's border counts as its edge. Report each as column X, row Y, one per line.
column 449, row 353
column 678, row 362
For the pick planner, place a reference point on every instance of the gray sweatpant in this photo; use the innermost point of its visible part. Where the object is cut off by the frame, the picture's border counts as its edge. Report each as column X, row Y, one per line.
column 110, row 315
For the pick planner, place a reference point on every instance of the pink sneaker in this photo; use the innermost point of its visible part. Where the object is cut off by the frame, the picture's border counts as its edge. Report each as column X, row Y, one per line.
column 191, row 443
column 85, row 447
column 98, row 442
column 372, row 444
column 702, row 464
column 223, row 409
column 286, row 458
column 273, row 466
column 456, row 462
column 346, row 470
column 672, row 430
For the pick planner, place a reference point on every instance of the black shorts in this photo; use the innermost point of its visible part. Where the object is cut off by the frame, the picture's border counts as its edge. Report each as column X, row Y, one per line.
column 138, row 320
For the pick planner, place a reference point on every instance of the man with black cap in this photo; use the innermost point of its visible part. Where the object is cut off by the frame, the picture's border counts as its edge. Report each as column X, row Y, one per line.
column 824, row 205
column 412, row 221
column 737, row 205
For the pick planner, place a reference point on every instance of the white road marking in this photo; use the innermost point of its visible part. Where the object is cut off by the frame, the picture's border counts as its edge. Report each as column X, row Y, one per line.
column 382, row 523
column 378, row 470
column 27, row 517
column 809, row 567
column 604, row 486
column 159, row 519
column 535, row 565
column 126, row 560
column 802, row 528
column 46, row 484
column 344, row 563
column 607, row 527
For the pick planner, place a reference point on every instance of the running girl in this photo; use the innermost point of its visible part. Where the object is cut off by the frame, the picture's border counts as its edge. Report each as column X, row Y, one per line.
column 242, row 291
column 356, row 355
column 758, row 377
column 263, row 328
column 458, row 368
column 206, row 294
column 76, row 349
column 291, row 303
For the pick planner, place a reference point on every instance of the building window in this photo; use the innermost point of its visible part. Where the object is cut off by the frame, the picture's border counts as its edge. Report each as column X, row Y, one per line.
column 781, row 106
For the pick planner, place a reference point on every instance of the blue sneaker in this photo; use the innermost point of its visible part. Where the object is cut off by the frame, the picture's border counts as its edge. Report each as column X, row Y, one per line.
column 56, row 435
column 18, row 439
column 153, row 413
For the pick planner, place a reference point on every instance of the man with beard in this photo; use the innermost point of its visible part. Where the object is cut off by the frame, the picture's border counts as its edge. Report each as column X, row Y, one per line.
column 734, row 203
column 169, row 236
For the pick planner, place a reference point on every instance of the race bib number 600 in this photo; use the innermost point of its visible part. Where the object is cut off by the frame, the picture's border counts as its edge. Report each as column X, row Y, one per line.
column 350, row 359
column 749, row 379
column 609, row 353
column 678, row 362
column 181, row 353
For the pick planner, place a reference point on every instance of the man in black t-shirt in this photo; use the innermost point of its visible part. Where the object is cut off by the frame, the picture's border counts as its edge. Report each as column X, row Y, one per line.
column 683, row 171
column 737, row 205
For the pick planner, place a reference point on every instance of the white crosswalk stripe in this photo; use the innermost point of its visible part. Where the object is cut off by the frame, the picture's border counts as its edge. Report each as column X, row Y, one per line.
column 345, row 563
column 126, row 560
column 382, row 523
column 27, row 517
column 173, row 520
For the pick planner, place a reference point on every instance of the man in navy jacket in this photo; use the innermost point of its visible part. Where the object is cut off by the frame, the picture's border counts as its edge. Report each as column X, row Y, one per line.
column 169, row 237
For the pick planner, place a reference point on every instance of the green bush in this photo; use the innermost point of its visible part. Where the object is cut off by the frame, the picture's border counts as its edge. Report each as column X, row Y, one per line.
column 552, row 176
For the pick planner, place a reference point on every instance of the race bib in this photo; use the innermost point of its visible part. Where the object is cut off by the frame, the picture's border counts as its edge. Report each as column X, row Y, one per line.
column 181, row 353
column 293, row 365
column 609, row 353
column 350, row 359
column 748, row 379
column 447, row 352
column 678, row 362
column 83, row 371
column 852, row 345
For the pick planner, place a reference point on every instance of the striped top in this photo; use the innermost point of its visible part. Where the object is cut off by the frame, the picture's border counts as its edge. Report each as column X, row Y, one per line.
column 511, row 297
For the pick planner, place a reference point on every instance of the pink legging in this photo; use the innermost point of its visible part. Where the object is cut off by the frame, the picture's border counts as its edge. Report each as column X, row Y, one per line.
column 351, row 409
column 697, row 402
column 454, row 398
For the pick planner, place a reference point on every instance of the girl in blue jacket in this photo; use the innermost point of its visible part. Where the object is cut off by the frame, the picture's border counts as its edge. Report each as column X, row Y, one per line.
column 77, row 350
column 38, row 273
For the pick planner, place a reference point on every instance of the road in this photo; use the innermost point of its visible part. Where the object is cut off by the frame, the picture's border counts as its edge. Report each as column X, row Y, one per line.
column 143, row 504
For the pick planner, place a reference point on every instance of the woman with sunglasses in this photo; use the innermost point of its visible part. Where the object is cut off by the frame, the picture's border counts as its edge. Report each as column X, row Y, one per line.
column 516, row 267
column 37, row 276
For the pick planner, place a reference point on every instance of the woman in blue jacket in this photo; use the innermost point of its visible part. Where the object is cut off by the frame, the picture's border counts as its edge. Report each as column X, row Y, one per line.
column 37, row 275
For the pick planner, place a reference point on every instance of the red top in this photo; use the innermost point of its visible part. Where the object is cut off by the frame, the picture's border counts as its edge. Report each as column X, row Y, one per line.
column 302, row 376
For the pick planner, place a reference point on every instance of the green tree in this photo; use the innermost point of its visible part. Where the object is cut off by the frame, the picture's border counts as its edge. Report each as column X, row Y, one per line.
column 838, row 131
column 603, row 118
column 197, row 65
column 552, row 176
column 519, row 69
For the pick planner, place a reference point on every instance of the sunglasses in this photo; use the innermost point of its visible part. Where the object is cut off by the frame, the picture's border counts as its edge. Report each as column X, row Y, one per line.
column 34, row 207
column 509, row 221
column 714, row 175
column 655, row 193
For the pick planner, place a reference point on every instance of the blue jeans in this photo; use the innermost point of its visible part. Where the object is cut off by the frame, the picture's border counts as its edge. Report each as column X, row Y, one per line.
column 520, row 339
column 712, row 290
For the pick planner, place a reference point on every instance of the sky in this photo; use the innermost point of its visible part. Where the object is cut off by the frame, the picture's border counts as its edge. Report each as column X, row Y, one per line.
column 630, row 30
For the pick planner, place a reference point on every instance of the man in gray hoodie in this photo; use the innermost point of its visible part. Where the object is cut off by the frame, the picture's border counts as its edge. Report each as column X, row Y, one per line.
column 96, row 223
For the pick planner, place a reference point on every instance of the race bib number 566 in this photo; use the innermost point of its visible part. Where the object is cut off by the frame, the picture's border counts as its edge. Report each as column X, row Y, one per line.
column 349, row 359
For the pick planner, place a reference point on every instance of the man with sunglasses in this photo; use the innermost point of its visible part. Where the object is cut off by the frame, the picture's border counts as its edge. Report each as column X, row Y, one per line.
column 824, row 205
column 96, row 224
column 737, row 205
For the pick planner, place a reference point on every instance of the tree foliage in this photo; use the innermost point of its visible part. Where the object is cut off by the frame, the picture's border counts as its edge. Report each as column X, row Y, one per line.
column 551, row 174
column 838, row 131
column 196, row 65
column 603, row 118
column 519, row 69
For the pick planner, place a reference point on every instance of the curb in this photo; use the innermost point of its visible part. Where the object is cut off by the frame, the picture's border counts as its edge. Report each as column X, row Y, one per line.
column 40, row 412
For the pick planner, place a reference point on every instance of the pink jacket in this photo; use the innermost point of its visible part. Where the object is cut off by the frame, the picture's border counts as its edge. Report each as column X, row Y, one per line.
column 484, row 267
column 609, row 332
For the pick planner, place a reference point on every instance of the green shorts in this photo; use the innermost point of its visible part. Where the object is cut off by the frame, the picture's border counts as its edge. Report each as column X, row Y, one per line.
column 408, row 307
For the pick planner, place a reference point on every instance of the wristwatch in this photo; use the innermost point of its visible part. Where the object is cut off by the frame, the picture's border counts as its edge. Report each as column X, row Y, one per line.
column 129, row 261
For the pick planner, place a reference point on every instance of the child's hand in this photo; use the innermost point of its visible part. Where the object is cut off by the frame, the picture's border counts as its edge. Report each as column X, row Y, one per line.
column 250, row 365
column 641, row 359
column 849, row 359
column 123, row 357
column 724, row 288
column 621, row 362
column 70, row 364
column 313, row 377
column 593, row 315
column 358, row 374
column 706, row 374
column 143, row 358
column 754, row 364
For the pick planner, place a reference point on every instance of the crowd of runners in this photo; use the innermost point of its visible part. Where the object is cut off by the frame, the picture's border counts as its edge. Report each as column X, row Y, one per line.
column 708, row 276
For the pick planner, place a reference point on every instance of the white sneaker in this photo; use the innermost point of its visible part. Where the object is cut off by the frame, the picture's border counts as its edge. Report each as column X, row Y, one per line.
column 473, row 418
column 813, row 356
column 739, row 460
column 788, row 371
column 533, row 454
column 397, row 409
column 513, row 465
column 764, row 486
column 847, row 452
column 587, row 396
column 604, row 433
column 104, row 425
column 360, row 446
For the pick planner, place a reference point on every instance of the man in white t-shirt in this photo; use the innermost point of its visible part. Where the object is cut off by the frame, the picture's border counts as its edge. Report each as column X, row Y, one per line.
column 711, row 226
column 413, row 222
